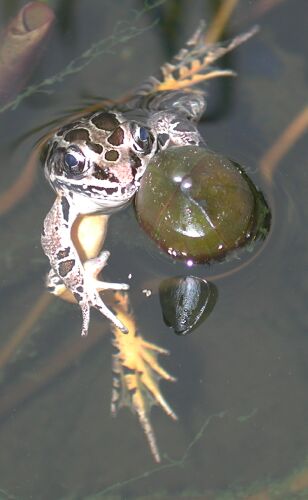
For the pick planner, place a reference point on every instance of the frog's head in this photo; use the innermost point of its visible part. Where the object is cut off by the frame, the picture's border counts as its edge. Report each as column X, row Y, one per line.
column 99, row 160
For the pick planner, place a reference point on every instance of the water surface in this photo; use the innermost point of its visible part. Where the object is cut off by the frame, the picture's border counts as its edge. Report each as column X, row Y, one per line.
column 242, row 375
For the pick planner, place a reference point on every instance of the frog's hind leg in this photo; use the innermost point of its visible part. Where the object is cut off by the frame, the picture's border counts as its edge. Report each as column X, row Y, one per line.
column 137, row 373
column 191, row 66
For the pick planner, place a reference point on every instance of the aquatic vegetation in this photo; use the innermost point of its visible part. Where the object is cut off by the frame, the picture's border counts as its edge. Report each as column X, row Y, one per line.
column 123, row 32
column 21, row 45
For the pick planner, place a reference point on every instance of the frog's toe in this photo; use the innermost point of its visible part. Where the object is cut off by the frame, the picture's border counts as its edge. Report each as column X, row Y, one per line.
column 101, row 306
column 105, row 285
column 91, row 298
column 93, row 267
column 85, row 310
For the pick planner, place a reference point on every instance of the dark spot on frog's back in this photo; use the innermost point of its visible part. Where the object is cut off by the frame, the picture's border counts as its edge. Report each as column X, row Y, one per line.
column 78, row 134
column 65, row 208
column 97, row 148
column 105, row 121
column 48, row 152
column 117, row 137
column 62, row 254
column 100, row 173
column 182, row 127
column 77, row 296
column 54, row 160
column 112, row 155
column 65, row 267
column 135, row 162
column 67, row 127
column 162, row 139
column 111, row 190
column 103, row 173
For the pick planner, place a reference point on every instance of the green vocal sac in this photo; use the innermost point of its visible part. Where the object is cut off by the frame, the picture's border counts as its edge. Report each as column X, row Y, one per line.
column 199, row 206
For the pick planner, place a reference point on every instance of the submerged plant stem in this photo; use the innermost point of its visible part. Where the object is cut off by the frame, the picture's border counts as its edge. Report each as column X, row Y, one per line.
column 220, row 21
column 122, row 33
column 170, row 463
column 23, row 330
column 20, row 391
column 283, row 144
column 22, row 185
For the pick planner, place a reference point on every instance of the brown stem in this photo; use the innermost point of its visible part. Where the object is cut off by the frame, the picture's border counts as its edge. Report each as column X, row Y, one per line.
column 218, row 24
column 23, row 330
column 283, row 144
column 20, row 391
column 23, row 184
column 21, row 45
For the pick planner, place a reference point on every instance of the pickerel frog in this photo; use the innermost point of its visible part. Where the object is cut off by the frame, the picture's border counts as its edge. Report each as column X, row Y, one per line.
column 95, row 165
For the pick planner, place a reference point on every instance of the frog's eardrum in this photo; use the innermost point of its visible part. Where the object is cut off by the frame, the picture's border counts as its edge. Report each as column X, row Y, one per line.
column 198, row 205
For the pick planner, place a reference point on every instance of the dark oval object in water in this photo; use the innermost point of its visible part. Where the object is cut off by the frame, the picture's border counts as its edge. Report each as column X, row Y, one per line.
column 186, row 301
column 198, row 205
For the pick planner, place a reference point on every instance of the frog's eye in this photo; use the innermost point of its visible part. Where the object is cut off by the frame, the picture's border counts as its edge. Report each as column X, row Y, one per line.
column 144, row 139
column 74, row 161
column 143, row 134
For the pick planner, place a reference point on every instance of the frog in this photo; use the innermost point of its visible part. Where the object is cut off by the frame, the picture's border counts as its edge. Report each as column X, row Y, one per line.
column 95, row 164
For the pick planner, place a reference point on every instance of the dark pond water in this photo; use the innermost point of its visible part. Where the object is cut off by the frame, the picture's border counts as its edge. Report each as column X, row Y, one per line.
column 241, row 393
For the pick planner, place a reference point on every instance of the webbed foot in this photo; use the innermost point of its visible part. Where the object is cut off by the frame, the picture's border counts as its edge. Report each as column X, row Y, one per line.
column 87, row 295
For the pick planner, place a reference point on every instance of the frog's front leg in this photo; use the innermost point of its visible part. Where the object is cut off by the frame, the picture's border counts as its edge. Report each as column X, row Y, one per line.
column 66, row 266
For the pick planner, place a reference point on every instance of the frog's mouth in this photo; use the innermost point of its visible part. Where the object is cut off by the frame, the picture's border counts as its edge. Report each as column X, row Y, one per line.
column 90, row 197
